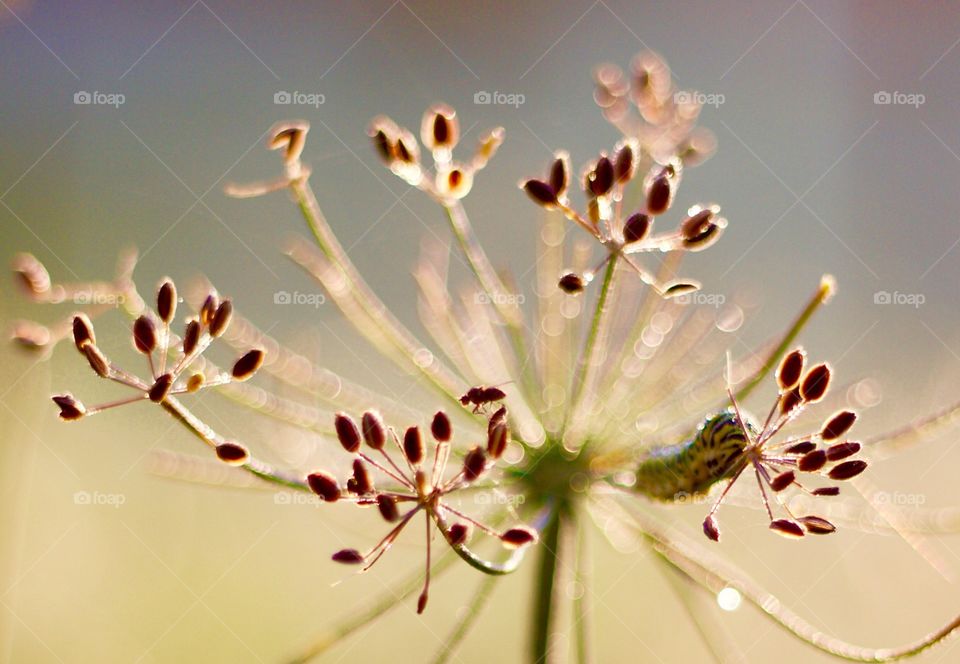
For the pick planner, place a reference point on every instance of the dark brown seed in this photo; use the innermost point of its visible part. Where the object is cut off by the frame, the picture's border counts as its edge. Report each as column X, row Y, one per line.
column 247, row 365
column 838, row 425
column 707, row 238
column 98, row 362
column 571, row 283
column 710, row 528
column 348, row 557
column 144, row 335
column 373, row 432
column 324, row 485
column 208, row 309
column 847, row 470
column 659, row 195
column 404, row 152
column 347, row 432
column 782, row 481
column 696, row 224
column 827, row 491
column 441, row 130
column 83, row 331
column 440, row 428
column 518, row 537
column 158, row 392
column 813, row 461
column 388, row 508
column 422, row 602
column 362, row 483
column 815, row 383
column 232, row 453
column 474, row 464
column 383, row 145
column 559, row 175
column 636, row 227
column 801, row 448
column 791, row 368
column 679, row 288
column 497, row 439
column 221, row 319
column 413, row 445
column 498, row 417
column 790, row 400
column 458, row 534
column 191, row 337
column 601, row 178
column 624, row 163
column 541, row 193
column 842, row 450
column 167, row 301
column 70, row 408
column 817, row 525
column 787, row 528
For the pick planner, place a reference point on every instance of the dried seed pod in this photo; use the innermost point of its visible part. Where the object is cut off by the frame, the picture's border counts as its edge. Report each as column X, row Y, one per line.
column 440, row 427
column 195, row 382
column 70, row 408
column 474, row 464
column 497, row 439
column 347, row 432
column 711, row 529
column 782, row 481
column 167, row 301
column 33, row 276
column 637, row 227
column 83, row 333
column 827, row 491
column 813, row 461
column 790, row 400
column 560, row 174
column 291, row 137
column 440, row 129
column 347, row 557
column 678, row 288
column 600, row 178
column 625, row 161
column 388, row 508
column 801, row 448
column 702, row 228
column 791, row 368
column 541, row 193
column 518, row 537
column 374, row 434
column 499, row 417
column 208, row 309
column 659, row 195
column 191, row 336
column 383, row 131
column 144, row 335
column 571, row 283
column 838, row 425
column 324, row 485
column 817, row 525
column 247, row 365
column 406, row 149
column 362, row 482
column 787, row 528
column 160, row 388
column 815, row 383
column 458, row 534
column 98, row 361
column 847, row 470
column 232, row 453
column 842, row 450
column 221, row 319
column 413, row 445
column 453, row 181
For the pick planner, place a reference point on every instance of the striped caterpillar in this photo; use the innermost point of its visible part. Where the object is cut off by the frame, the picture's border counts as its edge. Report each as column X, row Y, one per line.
column 723, row 448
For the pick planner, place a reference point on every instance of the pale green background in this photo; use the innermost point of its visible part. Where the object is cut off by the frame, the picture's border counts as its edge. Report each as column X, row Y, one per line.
column 181, row 573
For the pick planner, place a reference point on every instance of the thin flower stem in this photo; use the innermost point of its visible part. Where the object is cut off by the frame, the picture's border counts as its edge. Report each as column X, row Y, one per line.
column 546, row 595
column 585, row 372
column 581, row 602
column 469, row 618
column 438, row 376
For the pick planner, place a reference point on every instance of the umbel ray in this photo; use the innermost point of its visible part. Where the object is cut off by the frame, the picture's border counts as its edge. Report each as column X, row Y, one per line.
column 535, row 402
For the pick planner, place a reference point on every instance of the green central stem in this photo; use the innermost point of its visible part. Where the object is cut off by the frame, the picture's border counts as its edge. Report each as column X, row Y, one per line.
column 546, row 598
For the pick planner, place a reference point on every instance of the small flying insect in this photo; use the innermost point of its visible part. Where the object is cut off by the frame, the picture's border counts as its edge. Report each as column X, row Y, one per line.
column 480, row 396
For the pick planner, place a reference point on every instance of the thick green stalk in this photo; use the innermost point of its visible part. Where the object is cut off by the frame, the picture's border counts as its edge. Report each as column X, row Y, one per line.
column 545, row 595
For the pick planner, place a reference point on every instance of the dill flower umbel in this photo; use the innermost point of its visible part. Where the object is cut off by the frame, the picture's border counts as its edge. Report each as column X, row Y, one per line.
column 546, row 400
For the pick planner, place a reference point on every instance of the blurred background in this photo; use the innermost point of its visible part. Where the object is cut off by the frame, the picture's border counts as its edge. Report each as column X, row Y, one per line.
column 839, row 152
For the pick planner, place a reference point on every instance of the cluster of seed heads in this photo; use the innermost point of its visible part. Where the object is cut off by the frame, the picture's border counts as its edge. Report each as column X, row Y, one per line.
column 826, row 452
column 624, row 233
column 440, row 133
column 169, row 359
column 419, row 483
